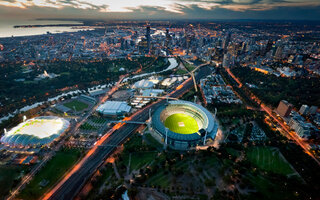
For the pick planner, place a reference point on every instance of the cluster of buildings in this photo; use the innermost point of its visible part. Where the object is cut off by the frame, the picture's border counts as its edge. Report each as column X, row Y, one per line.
column 171, row 80
column 296, row 121
column 265, row 49
column 114, row 108
column 214, row 89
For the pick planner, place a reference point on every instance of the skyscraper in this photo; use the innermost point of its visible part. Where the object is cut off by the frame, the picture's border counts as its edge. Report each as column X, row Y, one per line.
column 278, row 54
column 168, row 38
column 284, row 108
column 304, row 109
column 148, row 37
column 226, row 41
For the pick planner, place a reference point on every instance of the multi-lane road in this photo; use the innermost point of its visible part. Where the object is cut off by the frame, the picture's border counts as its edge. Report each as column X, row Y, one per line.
column 289, row 134
column 71, row 184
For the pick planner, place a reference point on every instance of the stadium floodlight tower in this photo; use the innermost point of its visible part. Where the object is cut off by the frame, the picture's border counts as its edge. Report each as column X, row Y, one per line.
column 149, row 121
column 214, row 117
column 166, row 140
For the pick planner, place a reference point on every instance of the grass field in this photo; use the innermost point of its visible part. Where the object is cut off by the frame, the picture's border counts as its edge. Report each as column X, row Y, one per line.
column 88, row 127
column 153, row 141
column 97, row 120
column 181, row 123
column 269, row 159
column 8, row 175
column 139, row 159
column 51, row 172
column 160, row 179
column 77, row 104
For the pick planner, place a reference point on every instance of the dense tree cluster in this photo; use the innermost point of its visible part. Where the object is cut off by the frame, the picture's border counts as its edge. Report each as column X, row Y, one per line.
column 272, row 89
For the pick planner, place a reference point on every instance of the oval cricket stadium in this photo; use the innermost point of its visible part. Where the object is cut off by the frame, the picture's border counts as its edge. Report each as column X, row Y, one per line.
column 37, row 131
column 182, row 125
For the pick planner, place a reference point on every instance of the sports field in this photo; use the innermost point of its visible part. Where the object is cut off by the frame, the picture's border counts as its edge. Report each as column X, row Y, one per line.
column 78, row 105
column 269, row 159
column 181, row 123
column 50, row 174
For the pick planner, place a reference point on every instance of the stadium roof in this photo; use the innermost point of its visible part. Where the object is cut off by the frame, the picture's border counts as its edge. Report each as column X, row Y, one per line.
column 152, row 92
column 114, row 108
column 143, row 84
column 36, row 131
column 211, row 125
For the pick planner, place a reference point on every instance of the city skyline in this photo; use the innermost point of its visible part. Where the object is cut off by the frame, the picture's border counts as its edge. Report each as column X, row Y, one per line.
column 169, row 99
column 161, row 10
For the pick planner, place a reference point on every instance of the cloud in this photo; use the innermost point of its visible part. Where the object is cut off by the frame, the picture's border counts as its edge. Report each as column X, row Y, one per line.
column 161, row 9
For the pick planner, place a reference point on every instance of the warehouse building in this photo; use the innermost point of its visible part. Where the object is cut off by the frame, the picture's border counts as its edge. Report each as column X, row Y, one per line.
column 114, row 108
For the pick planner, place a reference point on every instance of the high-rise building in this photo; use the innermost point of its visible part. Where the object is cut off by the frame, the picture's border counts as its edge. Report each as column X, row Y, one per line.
column 148, row 37
column 304, row 109
column 168, row 38
column 225, row 61
column 278, row 54
column 226, row 41
column 284, row 108
column 313, row 110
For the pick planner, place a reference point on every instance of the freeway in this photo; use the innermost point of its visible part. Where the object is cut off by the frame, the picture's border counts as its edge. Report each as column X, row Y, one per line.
column 71, row 184
column 26, row 179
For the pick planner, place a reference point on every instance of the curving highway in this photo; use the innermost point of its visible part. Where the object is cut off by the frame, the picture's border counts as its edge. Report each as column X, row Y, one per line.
column 72, row 183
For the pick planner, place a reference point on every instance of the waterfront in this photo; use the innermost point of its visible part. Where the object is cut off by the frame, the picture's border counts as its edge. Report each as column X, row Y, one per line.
column 7, row 27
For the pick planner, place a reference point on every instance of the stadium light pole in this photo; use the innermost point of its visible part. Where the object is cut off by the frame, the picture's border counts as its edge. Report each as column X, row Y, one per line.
column 205, row 138
column 214, row 118
column 166, row 140
column 149, row 122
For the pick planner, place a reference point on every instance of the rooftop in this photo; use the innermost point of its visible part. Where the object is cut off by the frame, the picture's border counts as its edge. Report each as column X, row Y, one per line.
column 114, row 108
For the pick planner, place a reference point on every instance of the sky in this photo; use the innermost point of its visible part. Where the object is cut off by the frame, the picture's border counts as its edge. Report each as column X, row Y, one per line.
column 161, row 9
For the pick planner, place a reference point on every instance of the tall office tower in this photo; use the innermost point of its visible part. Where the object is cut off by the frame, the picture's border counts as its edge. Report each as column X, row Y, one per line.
column 168, row 38
column 268, row 47
column 243, row 47
column 304, row 109
column 148, row 37
column 278, row 54
column 313, row 110
column 284, row 108
column 226, row 60
column 226, row 42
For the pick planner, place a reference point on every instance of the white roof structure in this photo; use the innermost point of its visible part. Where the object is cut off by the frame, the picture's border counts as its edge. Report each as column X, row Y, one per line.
column 36, row 131
column 143, row 84
column 152, row 92
column 114, row 108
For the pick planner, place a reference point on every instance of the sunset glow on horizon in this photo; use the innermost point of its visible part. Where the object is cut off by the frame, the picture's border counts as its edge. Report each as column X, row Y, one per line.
column 163, row 9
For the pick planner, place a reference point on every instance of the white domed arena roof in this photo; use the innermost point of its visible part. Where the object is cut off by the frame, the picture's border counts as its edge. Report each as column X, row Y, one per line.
column 36, row 131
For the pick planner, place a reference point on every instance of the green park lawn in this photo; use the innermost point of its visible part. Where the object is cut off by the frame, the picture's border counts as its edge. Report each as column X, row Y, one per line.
column 160, row 179
column 8, row 176
column 140, row 159
column 50, row 173
column 153, row 142
column 78, row 105
column 88, row 127
column 269, row 159
column 181, row 123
